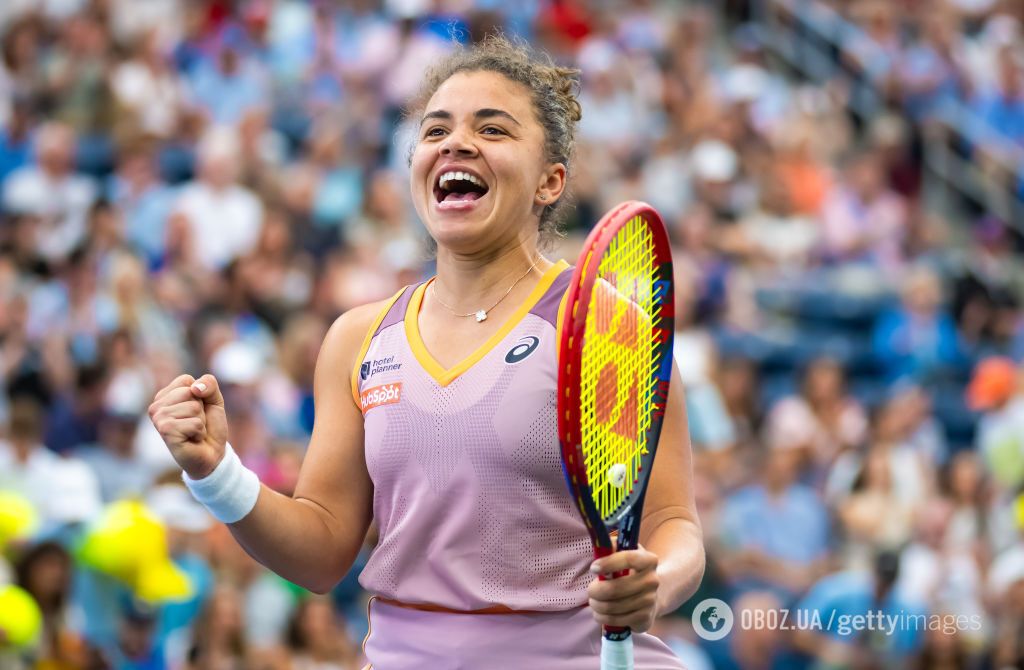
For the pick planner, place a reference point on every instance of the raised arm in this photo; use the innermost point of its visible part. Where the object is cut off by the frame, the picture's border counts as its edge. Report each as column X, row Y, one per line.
column 312, row 538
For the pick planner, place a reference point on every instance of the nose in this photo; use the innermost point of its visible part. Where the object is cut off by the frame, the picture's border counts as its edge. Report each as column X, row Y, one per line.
column 458, row 143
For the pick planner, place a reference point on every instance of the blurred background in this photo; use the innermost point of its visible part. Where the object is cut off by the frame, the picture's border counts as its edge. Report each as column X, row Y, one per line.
column 205, row 185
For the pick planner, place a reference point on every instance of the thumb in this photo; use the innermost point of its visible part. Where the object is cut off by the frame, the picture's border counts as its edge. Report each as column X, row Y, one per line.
column 207, row 389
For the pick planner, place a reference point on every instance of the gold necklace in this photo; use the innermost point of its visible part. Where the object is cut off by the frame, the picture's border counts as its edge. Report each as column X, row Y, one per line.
column 481, row 314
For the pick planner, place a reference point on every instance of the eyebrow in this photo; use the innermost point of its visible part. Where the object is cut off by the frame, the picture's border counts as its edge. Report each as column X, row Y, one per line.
column 485, row 113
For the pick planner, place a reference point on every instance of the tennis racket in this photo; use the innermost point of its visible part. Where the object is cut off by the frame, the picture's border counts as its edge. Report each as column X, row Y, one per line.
column 615, row 362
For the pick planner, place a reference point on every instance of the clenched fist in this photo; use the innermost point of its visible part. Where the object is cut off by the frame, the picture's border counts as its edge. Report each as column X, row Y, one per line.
column 189, row 414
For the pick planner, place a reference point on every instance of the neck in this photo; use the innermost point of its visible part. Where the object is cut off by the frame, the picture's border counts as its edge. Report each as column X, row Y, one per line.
column 471, row 282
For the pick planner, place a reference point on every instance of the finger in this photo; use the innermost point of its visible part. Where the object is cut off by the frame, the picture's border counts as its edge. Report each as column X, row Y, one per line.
column 180, row 430
column 179, row 382
column 624, row 587
column 183, row 410
column 207, row 388
column 641, row 602
column 192, row 429
column 635, row 559
column 172, row 397
column 638, row 621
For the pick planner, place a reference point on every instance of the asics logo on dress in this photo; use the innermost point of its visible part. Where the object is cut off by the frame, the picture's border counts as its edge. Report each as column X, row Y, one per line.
column 386, row 394
column 526, row 346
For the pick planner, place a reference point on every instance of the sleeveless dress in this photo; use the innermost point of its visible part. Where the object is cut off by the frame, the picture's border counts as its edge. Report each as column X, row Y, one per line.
column 483, row 561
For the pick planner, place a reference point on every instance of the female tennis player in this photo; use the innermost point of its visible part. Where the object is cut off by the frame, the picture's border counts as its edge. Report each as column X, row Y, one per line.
column 436, row 418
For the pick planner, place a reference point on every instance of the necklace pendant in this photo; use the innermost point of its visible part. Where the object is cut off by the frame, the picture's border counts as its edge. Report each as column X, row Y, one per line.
column 480, row 316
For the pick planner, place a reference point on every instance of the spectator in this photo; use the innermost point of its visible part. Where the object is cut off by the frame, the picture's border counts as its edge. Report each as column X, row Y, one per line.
column 29, row 468
column 219, row 640
column 919, row 339
column 15, row 139
column 77, row 75
column 929, row 70
column 225, row 87
column 222, row 219
column 828, row 418
column 1002, row 106
column 148, row 90
column 995, row 390
column 754, row 647
column 873, row 516
column 21, row 65
column 862, row 220
column 842, row 596
column 1006, row 587
column 988, row 287
column 774, row 533
column 53, row 192
column 315, row 640
column 137, row 191
column 45, row 571
column 121, row 474
column 774, row 238
column 909, row 470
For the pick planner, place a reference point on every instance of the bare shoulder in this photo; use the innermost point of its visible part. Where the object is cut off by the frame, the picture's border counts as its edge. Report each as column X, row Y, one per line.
column 346, row 334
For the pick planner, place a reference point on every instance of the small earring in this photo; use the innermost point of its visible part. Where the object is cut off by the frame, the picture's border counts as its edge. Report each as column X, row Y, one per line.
column 543, row 197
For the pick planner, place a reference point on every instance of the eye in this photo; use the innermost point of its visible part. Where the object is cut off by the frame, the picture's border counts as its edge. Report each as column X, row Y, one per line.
column 493, row 130
column 436, row 131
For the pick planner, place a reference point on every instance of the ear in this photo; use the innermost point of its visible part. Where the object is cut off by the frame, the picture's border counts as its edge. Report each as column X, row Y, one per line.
column 551, row 185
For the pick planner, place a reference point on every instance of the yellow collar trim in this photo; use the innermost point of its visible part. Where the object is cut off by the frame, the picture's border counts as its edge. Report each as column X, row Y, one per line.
column 430, row 364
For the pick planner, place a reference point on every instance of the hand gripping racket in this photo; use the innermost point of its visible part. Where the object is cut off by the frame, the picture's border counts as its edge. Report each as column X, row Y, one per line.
column 615, row 362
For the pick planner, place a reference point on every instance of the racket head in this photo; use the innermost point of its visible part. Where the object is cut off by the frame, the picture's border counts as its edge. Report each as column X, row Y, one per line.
column 615, row 363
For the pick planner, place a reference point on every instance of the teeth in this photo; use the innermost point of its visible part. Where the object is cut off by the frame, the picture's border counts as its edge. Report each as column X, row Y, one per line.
column 465, row 176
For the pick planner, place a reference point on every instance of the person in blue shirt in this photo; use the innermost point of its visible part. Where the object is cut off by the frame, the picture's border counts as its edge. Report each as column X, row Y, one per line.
column 16, row 139
column 774, row 534
column 919, row 338
column 863, row 617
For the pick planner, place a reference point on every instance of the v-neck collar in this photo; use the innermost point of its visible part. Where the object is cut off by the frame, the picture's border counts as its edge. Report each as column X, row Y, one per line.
column 445, row 376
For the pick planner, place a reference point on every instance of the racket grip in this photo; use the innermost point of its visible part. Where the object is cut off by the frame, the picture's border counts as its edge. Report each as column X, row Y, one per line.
column 617, row 654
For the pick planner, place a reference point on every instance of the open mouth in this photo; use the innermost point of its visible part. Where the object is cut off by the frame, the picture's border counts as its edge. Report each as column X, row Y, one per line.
column 455, row 186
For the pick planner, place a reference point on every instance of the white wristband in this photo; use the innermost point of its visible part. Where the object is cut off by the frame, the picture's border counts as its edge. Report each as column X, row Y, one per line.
column 230, row 491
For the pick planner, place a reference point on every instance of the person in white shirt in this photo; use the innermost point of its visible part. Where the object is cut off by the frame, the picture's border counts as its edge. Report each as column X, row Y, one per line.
column 53, row 192
column 63, row 490
column 223, row 218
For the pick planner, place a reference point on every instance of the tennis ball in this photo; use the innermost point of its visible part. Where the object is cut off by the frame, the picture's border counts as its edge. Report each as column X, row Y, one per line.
column 129, row 543
column 161, row 582
column 20, row 617
column 617, row 475
column 18, row 518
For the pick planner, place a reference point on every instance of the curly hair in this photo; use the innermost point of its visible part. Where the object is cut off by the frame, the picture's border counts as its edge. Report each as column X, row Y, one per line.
column 553, row 90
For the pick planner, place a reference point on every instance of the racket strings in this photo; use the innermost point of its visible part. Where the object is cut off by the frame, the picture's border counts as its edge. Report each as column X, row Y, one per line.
column 618, row 366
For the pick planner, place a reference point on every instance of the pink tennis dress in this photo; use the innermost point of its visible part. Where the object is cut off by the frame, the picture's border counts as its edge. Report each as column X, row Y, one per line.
column 474, row 514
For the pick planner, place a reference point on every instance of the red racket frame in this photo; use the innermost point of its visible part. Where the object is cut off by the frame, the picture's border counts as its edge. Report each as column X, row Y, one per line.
column 627, row 518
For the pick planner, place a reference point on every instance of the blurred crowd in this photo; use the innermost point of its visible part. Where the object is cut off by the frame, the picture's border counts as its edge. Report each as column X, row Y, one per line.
column 205, row 185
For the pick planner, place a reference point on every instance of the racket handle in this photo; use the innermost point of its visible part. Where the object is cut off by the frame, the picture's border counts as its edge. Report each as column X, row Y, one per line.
column 617, row 654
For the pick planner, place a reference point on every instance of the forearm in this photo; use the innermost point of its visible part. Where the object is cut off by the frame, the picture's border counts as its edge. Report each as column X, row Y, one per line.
column 300, row 540
column 678, row 542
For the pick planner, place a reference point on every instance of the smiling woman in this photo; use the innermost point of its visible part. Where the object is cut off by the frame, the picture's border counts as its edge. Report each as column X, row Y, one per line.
column 446, row 435
column 549, row 92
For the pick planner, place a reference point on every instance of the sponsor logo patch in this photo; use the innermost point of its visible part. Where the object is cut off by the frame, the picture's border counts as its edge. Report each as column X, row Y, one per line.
column 386, row 394
column 524, row 348
column 372, row 367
